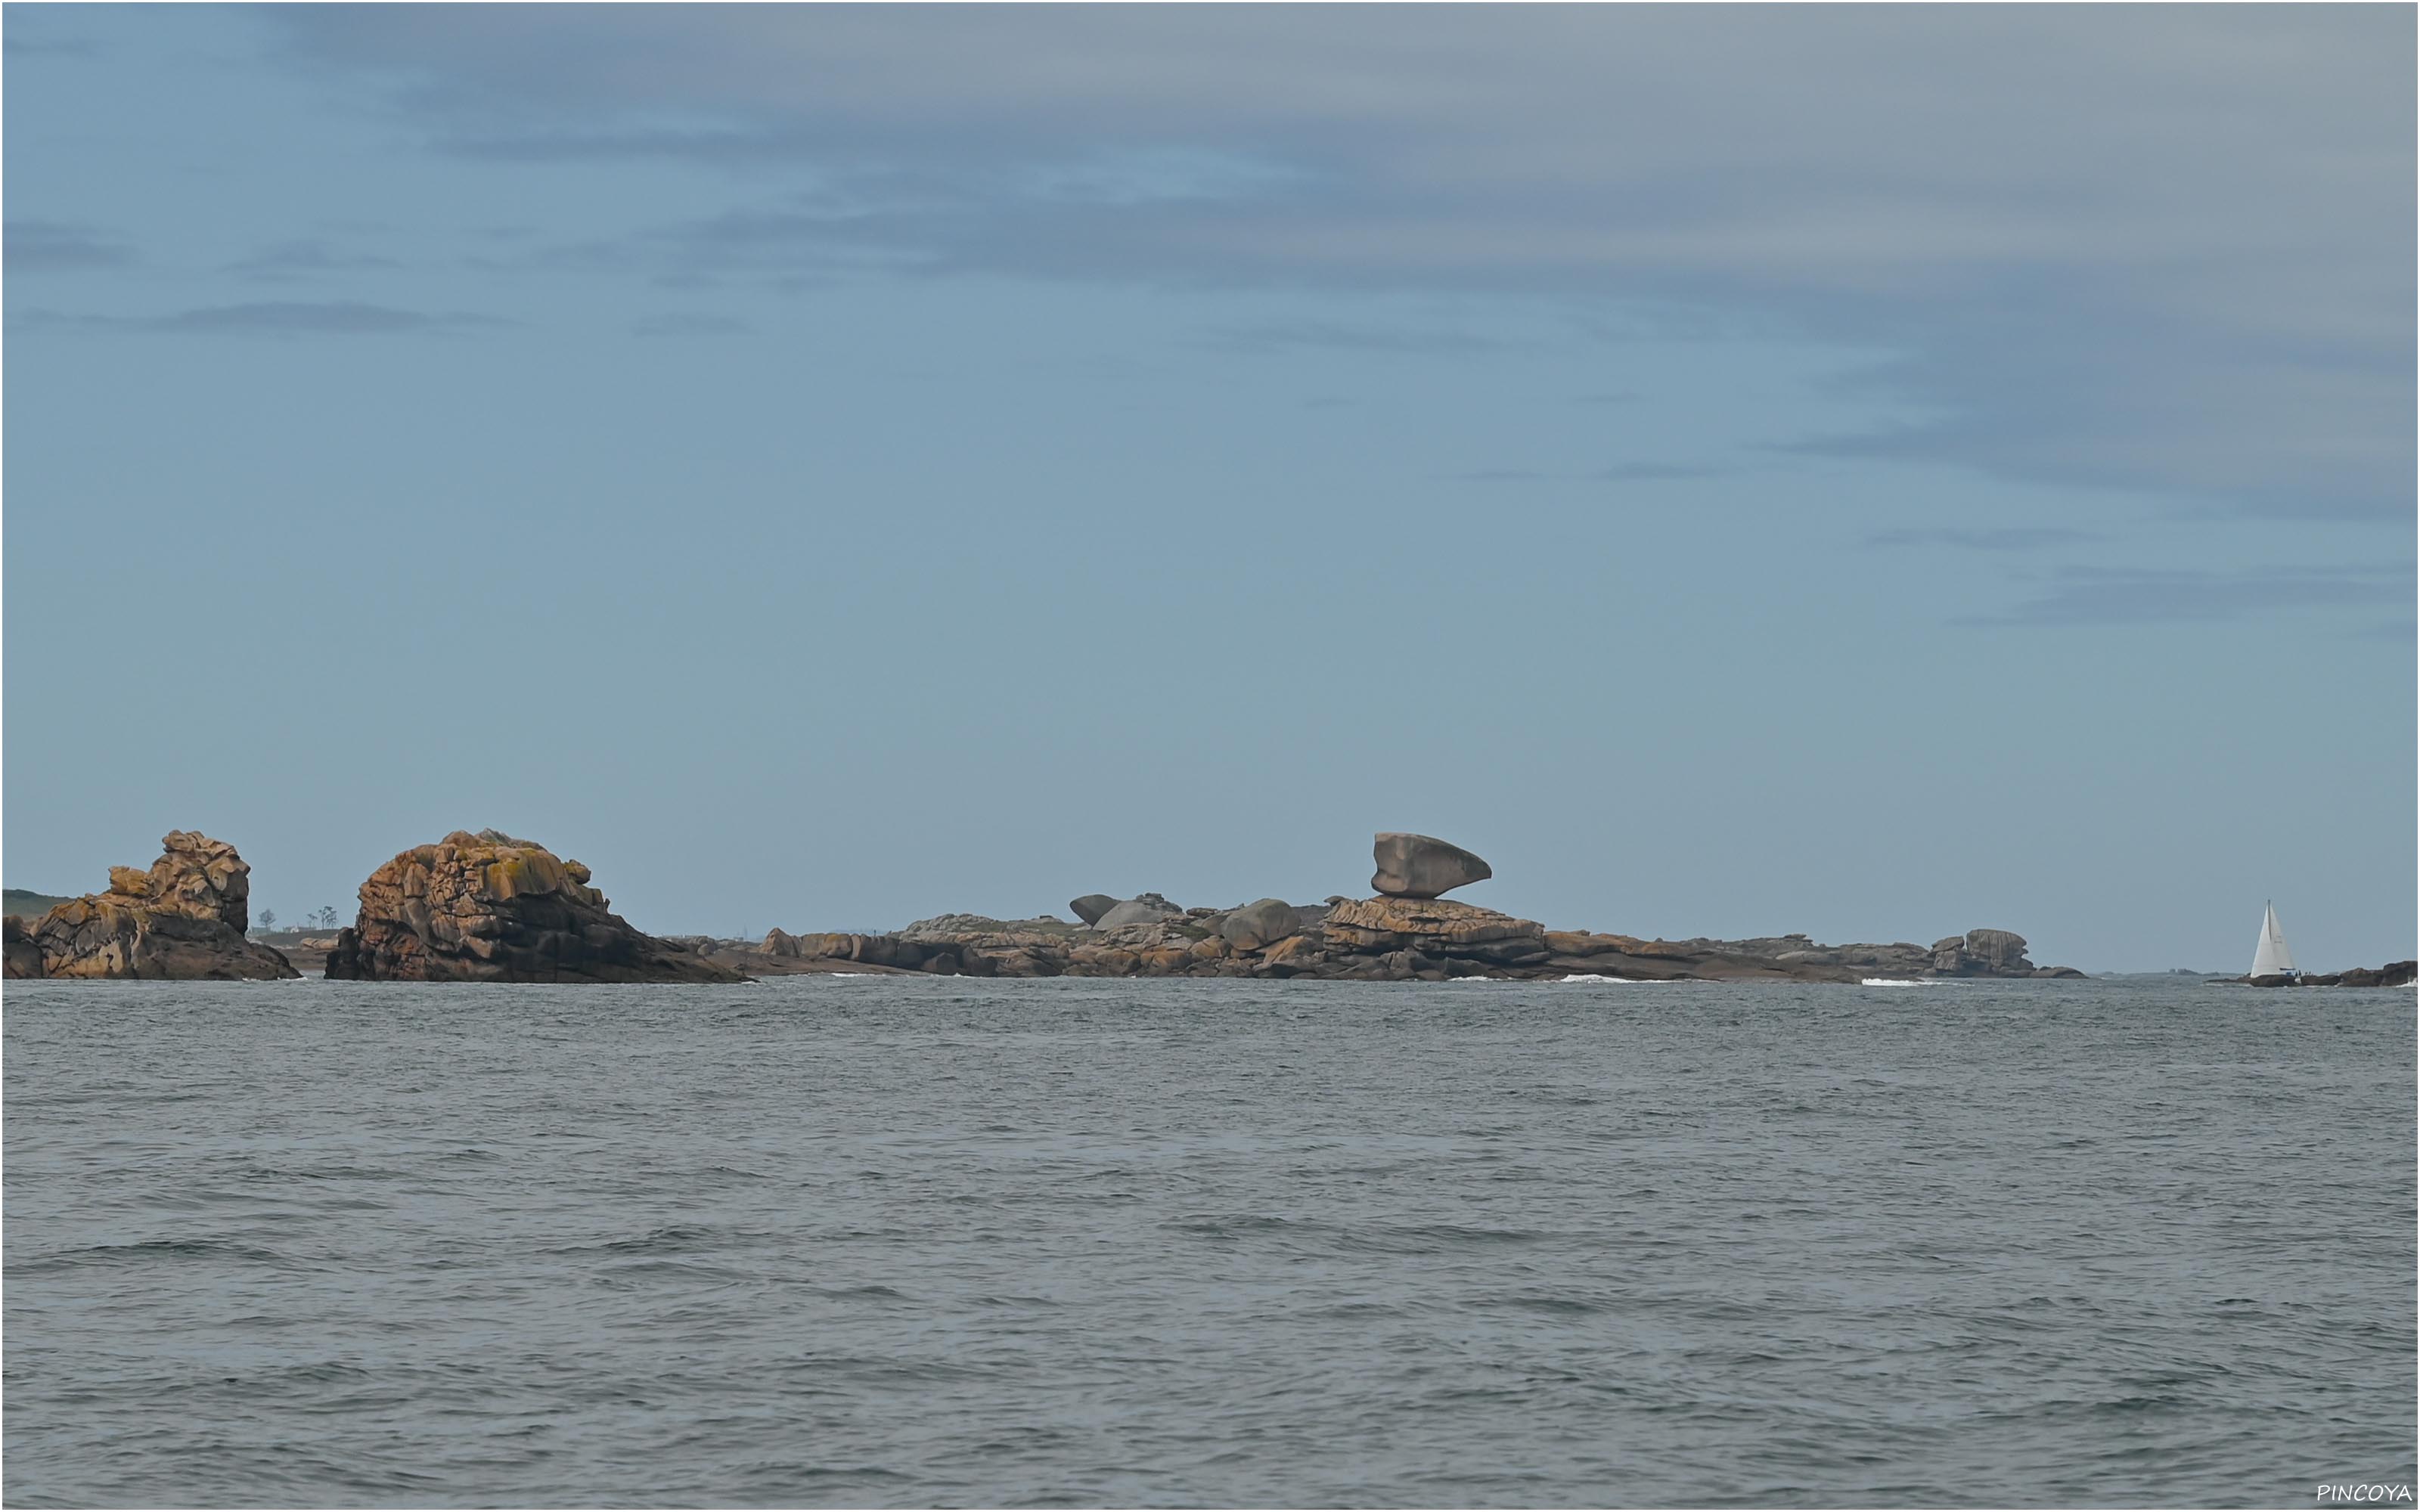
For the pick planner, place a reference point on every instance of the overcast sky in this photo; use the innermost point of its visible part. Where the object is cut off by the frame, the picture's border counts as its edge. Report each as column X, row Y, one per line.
column 1877, row 472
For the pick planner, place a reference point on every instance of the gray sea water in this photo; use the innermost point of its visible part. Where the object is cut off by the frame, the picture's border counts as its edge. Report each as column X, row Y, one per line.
column 882, row 1240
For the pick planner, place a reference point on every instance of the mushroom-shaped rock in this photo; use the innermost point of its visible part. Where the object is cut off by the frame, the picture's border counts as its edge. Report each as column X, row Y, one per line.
column 1258, row 925
column 1091, row 906
column 184, row 920
column 1423, row 865
column 1999, row 951
column 488, row 907
column 1148, row 909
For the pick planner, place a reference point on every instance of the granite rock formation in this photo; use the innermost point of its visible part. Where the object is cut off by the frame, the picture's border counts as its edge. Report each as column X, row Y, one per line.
column 1987, row 952
column 488, row 907
column 1422, row 866
column 182, row 921
column 1090, row 907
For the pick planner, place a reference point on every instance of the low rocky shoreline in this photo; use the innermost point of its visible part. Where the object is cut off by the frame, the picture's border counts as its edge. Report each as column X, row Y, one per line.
column 2393, row 974
column 486, row 906
column 1406, row 933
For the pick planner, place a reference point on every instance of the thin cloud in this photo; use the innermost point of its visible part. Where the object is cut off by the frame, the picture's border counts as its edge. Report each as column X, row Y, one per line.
column 1622, row 472
column 2125, row 596
column 55, row 47
column 683, row 324
column 2004, row 538
column 1339, row 335
column 58, row 246
column 1660, row 471
column 278, row 318
column 289, row 260
column 1500, row 476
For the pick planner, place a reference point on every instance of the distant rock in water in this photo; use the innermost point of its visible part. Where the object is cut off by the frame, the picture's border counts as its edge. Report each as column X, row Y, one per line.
column 2393, row 974
column 488, row 907
column 184, row 920
column 1423, row 865
column 1090, row 907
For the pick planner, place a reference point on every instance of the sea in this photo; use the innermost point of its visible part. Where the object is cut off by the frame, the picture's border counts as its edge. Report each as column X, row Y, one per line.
column 906, row 1241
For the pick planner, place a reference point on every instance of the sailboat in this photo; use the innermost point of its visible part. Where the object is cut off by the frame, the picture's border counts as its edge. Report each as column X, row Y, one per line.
column 2271, row 959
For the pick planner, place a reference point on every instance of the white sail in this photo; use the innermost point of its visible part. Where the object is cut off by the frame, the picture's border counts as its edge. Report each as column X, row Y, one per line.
column 2271, row 959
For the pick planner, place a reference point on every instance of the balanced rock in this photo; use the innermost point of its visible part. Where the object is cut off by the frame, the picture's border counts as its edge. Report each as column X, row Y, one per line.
column 184, row 920
column 1422, row 866
column 1090, row 907
column 1258, row 925
column 488, row 907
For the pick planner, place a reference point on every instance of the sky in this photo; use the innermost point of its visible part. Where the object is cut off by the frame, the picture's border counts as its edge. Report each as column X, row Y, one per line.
column 1873, row 472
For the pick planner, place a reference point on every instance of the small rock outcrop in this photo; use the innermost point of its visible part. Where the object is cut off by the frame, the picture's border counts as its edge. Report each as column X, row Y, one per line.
column 1423, row 865
column 488, row 907
column 1090, row 907
column 184, row 920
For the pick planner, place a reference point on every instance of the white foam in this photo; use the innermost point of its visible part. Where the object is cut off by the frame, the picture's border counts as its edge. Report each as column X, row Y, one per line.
column 1626, row 981
column 1894, row 981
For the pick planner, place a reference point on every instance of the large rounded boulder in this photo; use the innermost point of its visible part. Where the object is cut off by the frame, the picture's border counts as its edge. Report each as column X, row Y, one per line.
column 488, row 907
column 1258, row 925
column 1423, row 865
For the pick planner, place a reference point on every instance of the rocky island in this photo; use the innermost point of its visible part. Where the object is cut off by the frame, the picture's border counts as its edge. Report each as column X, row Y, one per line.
column 488, row 907
column 1408, row 932
column 184, row 920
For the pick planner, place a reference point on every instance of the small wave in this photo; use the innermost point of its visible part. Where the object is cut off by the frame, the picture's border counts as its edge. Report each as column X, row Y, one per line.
column 1898, row 982
column 1626, row 981
column 151, row 1249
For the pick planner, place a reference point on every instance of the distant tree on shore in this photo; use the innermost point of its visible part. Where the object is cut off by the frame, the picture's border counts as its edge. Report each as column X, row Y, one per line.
column 326, row 917
column 269, row 919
